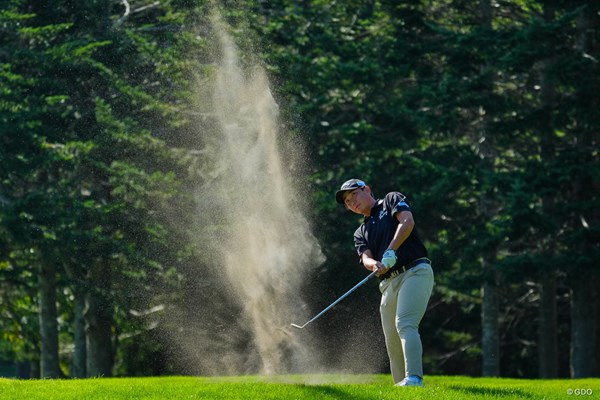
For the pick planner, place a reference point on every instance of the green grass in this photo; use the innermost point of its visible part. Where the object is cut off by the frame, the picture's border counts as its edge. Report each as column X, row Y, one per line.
column 290, row 387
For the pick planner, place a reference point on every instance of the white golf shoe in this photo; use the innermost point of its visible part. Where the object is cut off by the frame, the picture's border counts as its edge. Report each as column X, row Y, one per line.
column 412, row 380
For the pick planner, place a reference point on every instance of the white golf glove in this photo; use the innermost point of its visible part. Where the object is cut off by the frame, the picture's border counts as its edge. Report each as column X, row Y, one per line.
column 389, row 258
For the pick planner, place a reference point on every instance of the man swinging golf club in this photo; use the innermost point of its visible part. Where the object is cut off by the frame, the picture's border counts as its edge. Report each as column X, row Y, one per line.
column 388, row 244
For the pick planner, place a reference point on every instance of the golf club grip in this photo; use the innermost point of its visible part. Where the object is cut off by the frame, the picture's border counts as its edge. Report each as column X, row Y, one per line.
column 359, row 284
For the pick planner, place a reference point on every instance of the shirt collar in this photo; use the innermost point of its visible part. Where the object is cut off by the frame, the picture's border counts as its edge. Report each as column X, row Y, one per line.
column 379, row 202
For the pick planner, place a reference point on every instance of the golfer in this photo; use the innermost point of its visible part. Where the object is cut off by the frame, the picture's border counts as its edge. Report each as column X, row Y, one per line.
column 387, row 243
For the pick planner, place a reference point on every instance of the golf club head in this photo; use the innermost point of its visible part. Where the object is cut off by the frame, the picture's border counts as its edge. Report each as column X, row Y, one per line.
column 297, row 326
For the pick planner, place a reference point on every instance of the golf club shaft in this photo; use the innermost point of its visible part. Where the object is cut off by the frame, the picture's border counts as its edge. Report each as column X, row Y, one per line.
column 359, row 284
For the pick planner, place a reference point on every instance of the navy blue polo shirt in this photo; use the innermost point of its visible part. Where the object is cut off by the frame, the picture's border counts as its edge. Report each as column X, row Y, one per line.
column 377, row 230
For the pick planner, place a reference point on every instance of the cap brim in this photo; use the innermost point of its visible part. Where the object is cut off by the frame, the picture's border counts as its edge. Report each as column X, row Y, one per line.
column 339, row 195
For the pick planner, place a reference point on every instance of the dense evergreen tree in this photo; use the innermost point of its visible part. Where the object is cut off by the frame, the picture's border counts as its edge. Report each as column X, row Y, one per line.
column 86, row 180
column 467, row 112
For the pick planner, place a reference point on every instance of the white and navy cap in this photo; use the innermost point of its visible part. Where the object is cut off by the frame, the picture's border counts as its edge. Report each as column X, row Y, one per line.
column 346, row 186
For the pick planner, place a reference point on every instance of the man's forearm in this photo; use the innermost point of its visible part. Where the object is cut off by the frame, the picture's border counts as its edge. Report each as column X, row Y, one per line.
column 403, row 231
column 368, row 261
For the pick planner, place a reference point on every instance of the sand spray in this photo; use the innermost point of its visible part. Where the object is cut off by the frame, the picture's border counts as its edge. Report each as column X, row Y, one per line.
column 256, row 238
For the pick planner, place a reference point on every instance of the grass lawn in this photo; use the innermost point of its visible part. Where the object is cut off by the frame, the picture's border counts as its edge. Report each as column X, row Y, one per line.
column 290, row 387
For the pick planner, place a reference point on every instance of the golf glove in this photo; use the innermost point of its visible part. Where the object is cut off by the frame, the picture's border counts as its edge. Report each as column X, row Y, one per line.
column 389, row 258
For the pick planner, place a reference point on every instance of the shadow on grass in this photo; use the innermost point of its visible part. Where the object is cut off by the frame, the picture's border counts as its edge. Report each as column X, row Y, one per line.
column 492, row 392
column 331, row 392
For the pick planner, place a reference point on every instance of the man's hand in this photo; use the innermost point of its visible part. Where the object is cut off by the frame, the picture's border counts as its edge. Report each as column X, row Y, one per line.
column 389, row 258
column 379, row 268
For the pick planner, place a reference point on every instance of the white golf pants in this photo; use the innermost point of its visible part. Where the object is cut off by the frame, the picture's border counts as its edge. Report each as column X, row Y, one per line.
column 403, row 303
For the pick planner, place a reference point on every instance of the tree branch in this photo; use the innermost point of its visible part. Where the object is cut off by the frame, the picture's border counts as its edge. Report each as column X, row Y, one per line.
column 126, row 14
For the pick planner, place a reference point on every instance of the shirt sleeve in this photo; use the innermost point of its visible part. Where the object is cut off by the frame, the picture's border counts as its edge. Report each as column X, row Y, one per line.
column 360, row 242
column 396, row 202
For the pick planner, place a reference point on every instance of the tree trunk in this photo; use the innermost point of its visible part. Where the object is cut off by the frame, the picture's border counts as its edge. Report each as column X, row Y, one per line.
column 78, row 366
column 597, row 356
column 489, row 323
column 583, row 328
column 79, row 360
column 49, row 364
column 98, row 318
column 547, row 330
column 585, row 278
column 34, row 369
column 490, row 304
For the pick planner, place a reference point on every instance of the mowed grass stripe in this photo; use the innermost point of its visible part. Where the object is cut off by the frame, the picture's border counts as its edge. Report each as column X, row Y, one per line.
column 296, row 387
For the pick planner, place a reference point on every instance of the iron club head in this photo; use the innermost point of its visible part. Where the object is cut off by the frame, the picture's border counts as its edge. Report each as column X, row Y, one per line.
column 297, row 326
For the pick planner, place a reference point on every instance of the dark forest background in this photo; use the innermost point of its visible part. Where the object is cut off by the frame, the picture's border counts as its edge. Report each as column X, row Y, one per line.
column 484, row 113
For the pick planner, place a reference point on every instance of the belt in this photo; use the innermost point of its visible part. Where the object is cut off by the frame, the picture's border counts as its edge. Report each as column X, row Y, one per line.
column 403, row 268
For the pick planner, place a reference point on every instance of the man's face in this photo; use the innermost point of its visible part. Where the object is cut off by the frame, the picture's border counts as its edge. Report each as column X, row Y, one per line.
column 359, row 200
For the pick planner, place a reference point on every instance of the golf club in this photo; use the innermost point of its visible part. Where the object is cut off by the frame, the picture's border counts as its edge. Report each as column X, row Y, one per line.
column 372, row 274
